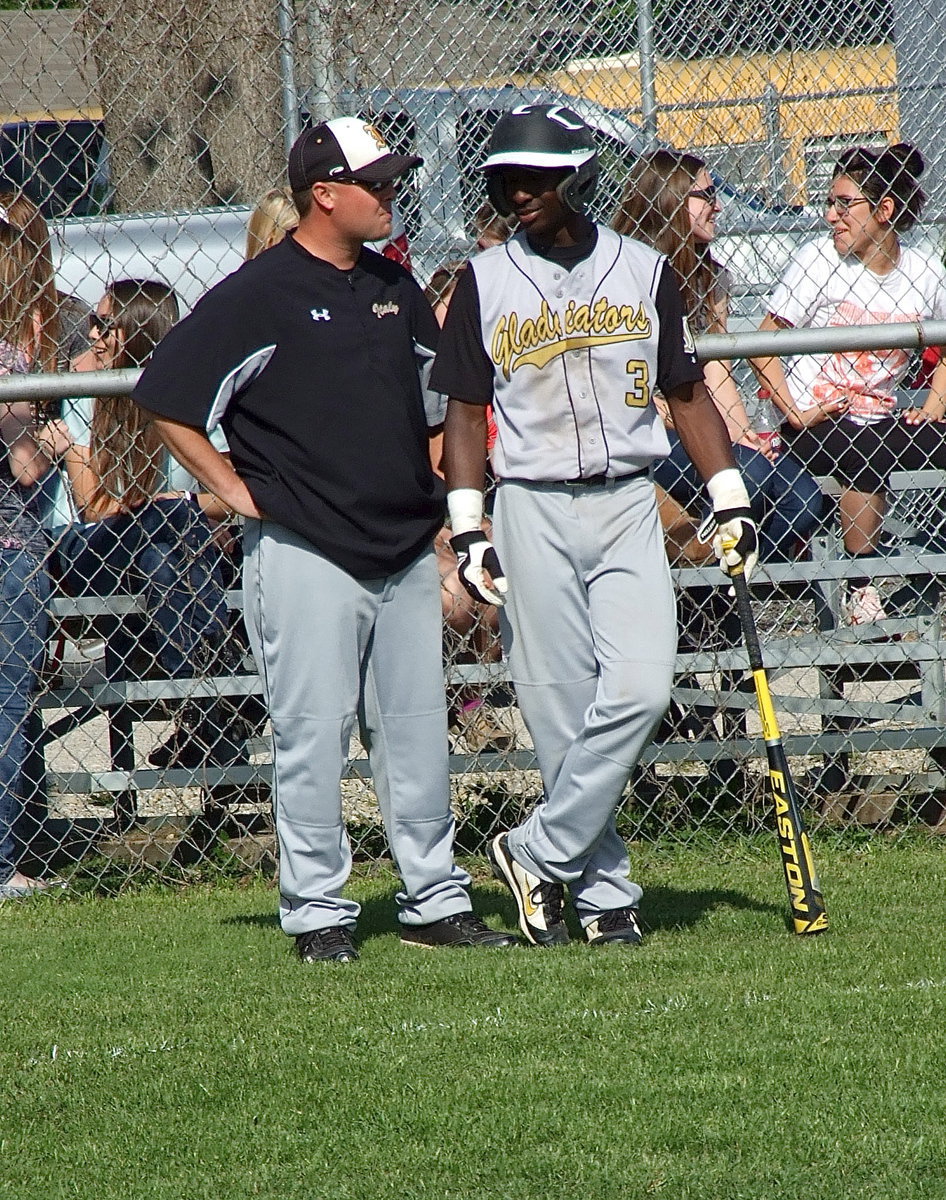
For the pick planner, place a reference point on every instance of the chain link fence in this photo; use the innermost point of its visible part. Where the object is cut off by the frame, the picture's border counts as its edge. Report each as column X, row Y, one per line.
column 137, row 141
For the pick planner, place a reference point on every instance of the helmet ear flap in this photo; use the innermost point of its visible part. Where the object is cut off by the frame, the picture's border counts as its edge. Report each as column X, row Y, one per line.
column 577, row 189
column 496, row 191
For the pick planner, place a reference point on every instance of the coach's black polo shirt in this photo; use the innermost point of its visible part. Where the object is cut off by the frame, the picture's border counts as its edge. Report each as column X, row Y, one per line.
column 314, row 374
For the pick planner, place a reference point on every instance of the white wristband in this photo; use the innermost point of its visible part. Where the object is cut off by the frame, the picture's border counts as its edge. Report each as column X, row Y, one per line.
column 727, row 490
column 465, row 506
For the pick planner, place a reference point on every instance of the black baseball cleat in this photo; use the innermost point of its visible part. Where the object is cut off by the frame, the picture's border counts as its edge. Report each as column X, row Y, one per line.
column 541, row 904
column 616, row 925
column 326, row 945
column 461, row 929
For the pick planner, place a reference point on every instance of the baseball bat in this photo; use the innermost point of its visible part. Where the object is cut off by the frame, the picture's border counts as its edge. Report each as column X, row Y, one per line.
column 804, row 890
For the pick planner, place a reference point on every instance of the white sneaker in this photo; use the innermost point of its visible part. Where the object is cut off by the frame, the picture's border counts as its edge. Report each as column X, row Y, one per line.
column 863, row 606
column 29, row 887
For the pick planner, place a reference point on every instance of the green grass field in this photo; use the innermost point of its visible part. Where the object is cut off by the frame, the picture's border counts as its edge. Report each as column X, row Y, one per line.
column 165, row 1044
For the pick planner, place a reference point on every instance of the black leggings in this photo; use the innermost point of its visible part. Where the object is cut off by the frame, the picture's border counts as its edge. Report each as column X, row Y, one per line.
column 862, row 457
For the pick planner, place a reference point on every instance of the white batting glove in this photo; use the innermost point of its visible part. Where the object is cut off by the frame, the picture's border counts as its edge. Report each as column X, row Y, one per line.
column 731, row 526
column 476, row 556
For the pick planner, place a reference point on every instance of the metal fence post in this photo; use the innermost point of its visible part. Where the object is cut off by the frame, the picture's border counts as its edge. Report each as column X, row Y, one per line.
column 647, row 52
column 287, row 72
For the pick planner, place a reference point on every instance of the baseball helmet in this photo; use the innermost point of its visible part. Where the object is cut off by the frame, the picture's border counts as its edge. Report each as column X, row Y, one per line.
column 547, row 137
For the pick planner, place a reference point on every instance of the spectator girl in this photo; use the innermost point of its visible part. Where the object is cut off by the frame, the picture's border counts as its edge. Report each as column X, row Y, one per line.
column 489, row 228
column 839, row 408
column 275, row 215
column 133, row 535
column 671, row 203
column 24, row 585
column 60, row 327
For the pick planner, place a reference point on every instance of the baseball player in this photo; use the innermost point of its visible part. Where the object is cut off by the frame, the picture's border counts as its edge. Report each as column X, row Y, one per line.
column 567, row 329
column 309, row 357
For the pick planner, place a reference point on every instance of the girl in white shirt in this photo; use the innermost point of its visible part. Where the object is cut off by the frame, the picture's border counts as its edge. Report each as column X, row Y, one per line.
column 840, row 408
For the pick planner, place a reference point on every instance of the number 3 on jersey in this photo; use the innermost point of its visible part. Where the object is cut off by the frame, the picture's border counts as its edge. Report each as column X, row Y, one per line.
column 639, row 394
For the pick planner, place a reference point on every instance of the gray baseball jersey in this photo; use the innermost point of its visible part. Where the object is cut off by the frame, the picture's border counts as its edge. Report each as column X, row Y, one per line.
column 586, row 338
column 569, row 358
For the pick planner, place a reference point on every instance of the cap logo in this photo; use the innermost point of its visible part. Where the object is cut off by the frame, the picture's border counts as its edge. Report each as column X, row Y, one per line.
column 378, row 139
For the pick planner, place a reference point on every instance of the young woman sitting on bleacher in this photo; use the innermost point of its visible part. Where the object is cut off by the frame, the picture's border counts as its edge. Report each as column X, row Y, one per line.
column 671, row 202
column 131, row 533
column 839, row 408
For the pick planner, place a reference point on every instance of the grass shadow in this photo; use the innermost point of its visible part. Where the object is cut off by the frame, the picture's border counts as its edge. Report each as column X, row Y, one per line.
column 664, row 908
column 680, row 908
column 268, row 920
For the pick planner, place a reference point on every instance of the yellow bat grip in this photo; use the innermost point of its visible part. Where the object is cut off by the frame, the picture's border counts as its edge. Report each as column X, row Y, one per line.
column 730, row 544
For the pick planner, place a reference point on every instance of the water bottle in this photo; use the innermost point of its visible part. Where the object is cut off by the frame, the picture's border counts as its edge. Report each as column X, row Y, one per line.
column 767, row 422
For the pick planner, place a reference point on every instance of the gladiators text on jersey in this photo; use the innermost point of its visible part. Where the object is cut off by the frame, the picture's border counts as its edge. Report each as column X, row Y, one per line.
column 535, row 341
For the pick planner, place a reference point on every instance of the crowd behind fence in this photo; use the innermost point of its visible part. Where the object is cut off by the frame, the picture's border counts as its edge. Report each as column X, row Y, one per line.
column 146, row 748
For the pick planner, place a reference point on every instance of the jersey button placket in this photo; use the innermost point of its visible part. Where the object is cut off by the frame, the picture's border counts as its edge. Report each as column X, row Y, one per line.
column 588, row 418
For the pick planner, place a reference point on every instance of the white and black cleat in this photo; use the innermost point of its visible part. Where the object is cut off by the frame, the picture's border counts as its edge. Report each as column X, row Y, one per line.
column 541, row 904
column 616, row 926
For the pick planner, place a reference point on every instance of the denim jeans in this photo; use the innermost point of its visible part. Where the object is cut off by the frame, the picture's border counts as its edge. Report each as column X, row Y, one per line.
column 165, row 553
column 786, row 501
column 23, row 626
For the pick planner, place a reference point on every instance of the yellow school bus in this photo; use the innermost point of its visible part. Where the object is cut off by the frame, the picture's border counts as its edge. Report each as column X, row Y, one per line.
column 771, row 123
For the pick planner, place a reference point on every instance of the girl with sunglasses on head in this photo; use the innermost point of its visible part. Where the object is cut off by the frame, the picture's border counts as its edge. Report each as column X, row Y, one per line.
column 671, row 203
column 133, row 533
column 840, row 408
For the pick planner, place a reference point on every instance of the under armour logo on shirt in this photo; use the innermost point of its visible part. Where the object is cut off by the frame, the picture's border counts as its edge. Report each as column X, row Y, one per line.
column 320, row 314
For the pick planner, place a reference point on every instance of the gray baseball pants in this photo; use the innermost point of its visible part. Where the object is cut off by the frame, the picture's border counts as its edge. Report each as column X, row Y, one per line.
column 590, row 631
column 332, row 650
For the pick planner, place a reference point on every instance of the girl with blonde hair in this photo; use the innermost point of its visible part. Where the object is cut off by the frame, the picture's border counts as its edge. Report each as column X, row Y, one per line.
column 275, row 215
column 24, row 582
column 54, row 324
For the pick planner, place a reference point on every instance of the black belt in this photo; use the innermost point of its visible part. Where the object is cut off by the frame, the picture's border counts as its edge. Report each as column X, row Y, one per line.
column 583, row 481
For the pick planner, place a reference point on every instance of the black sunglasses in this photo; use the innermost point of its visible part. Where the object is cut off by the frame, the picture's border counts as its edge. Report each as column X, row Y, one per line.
column 375, row 187
column 708, row 194
column 100, row 326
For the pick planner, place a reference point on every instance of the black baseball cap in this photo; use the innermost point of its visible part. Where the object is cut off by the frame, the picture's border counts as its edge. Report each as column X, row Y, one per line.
column 345, row 148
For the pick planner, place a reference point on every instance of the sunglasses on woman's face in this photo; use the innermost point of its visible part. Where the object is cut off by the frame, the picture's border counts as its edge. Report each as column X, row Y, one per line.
column 100, row 327
column 708, row 194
